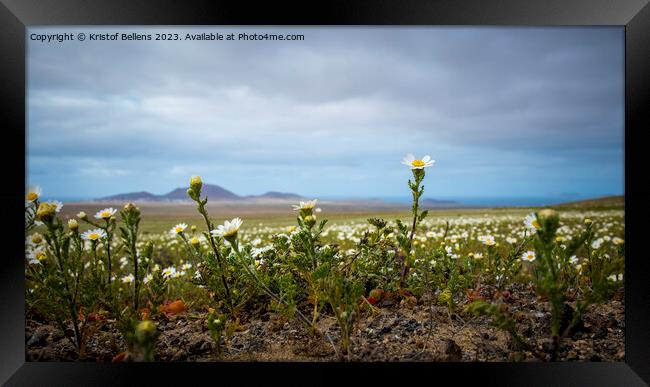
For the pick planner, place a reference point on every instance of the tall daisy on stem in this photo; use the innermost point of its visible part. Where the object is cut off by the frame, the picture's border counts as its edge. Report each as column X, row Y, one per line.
column 31, row 206
column 130, row 215
column 229, row 231
column 417, row 189
column 108, row 216
column 194, row 192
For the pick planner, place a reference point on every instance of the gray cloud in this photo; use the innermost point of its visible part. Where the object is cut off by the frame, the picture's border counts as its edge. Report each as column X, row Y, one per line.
column 344, row 101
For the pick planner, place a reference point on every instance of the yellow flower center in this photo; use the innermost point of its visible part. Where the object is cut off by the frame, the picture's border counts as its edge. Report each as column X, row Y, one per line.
column 417, row 163
column 535, row 223
column 93, row 236
column 106, row 214
column 31, row 196
column 230, row 232
column 40, row 255
column 178, row 229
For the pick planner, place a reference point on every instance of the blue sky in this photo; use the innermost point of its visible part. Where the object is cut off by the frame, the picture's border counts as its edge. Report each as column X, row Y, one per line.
column 505, row 112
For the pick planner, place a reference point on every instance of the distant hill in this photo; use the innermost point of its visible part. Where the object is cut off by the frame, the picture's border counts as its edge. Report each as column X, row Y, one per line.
column 276, row 195
column 212, row 191
column 605, row 201
column 132, row 196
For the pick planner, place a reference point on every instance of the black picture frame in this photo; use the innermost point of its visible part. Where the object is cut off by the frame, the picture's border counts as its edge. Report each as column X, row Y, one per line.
column 17, row 15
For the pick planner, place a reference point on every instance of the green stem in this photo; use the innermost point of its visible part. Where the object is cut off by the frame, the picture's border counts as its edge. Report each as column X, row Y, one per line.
column 203, row 212
column 109, row 237
column 136, row 289
column 418, row 176
column 268, row 291
column 71, row 305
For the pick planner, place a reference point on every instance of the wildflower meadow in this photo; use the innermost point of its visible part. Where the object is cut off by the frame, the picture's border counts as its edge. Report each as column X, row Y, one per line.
column 525, row 284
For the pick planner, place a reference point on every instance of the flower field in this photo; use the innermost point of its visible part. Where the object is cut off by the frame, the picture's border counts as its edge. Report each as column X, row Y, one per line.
column 509, row 285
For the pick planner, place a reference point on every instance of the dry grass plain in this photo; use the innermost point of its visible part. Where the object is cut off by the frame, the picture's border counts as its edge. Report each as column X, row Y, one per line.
column 159, row 217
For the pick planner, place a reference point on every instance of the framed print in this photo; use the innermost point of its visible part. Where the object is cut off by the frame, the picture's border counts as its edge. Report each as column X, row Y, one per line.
column 371, row 191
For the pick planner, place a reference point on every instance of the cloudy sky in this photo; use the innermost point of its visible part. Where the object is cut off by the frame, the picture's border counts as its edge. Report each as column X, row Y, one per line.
column 505, row 112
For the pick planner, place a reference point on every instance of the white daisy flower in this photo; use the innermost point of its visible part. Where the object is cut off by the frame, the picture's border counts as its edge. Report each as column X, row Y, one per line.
column 617, row 241
column 93, row 235
column 186, row 266
column 38, row 254
column 169, row 272
column 35, row 239
column 530, row 221
column 258, row 251
column 615, row 277
column 147, row 278
column 179, row 228
column 308, row 205
column 414, row 163
column 55, row 203
column 128, row 279
column 487, row 240
column 511, row 240
column 573, row 260
column 33, row 193
column 228, row 229
column 597, row 243
column 528, row 256
column 106, row 213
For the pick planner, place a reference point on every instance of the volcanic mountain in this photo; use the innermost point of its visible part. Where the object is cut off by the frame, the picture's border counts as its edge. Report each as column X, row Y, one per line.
column 212, row 191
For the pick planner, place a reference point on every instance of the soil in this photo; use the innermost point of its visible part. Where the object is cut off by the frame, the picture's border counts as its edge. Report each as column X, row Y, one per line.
column 410, row 331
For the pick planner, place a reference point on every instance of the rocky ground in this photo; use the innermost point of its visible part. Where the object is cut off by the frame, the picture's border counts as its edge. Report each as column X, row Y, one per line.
column 410, row 331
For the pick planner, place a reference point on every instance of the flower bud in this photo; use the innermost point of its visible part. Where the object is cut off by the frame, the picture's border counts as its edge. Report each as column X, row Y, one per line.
column 82, row 215
column 344, row 315
column 131, row 209
column 587, row 221
column 145, row 329
column 73, row 225
column 195, row 241
column 37, row 238
column 445, row 297
column 195, row 186
column 193, row 228
column 46, row 212
column 310, row 220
